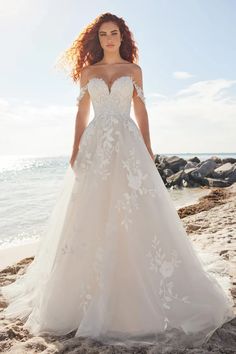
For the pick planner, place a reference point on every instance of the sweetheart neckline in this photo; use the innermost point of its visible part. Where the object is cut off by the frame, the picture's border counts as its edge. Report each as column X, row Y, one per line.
column 110, row 88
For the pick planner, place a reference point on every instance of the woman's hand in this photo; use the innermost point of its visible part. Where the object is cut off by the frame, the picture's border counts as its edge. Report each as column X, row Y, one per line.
column 151, row 153
column 73, row 157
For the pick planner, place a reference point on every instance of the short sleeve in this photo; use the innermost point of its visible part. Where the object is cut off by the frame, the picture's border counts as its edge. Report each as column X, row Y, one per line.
column 83, row 90
column 140, row 92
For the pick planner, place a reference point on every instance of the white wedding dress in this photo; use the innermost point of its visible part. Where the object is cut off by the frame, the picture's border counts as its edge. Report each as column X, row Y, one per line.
column 116, row 263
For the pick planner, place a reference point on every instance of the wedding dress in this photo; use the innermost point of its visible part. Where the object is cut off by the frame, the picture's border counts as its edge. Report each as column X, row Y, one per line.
column 116, row 263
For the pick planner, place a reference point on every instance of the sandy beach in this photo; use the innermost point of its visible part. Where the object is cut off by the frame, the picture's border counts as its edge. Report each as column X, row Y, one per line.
column 211, row 225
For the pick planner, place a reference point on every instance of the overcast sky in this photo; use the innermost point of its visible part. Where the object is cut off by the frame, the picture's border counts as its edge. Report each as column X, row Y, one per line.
column 187, row 52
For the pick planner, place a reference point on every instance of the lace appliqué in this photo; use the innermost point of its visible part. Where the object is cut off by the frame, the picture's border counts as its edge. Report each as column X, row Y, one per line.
column 108, row 142
column 85, row 297
column 140, row 92
column 133, row 129
column 94, row 277
column 98, row 268
column 84, row 159
column 159, row 263
column 83, row 90
column 131, row 199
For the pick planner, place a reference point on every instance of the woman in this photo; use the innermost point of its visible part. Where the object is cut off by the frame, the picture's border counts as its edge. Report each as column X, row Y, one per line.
column 117, row 264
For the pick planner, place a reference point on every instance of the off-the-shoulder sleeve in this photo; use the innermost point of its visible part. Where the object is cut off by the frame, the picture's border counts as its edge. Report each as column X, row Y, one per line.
column 83, row 89
column 140, row 92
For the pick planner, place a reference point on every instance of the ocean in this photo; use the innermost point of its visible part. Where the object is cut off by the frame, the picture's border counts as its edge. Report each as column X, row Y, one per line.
column 29, row 186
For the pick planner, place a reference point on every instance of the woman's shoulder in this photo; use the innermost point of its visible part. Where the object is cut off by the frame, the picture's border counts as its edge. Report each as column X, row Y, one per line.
column 84, row 71
column 137, row 68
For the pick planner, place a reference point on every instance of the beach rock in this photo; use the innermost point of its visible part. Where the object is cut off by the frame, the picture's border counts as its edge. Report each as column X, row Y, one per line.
column 229, row 159
column 231, row 178
column 175, row 179
column 174, row 163
column 190, row 165
column 213, row 182
column 167, row 172
column 223, row 171
column 217, row 159
column 205, row 168
column 194, row 159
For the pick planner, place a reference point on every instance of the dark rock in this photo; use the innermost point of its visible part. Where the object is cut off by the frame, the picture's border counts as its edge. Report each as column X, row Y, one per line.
column 218, row 183
column 175, row 163
column 232, row 176
column 157, row 158
column 206, row 168
column 175, row 179
column 194, row 159
column 229, row 159
column 190, row 164
column 217, row 159
column 167, row 172
column 223, row 171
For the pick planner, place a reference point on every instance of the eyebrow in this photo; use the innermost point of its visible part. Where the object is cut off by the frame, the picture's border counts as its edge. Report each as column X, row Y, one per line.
column 111, row 31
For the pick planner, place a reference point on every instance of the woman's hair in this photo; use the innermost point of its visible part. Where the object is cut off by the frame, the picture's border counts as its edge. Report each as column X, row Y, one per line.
column 86, row 48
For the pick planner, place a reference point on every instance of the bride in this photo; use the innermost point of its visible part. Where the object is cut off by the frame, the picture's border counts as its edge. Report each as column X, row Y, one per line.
column 116, row 263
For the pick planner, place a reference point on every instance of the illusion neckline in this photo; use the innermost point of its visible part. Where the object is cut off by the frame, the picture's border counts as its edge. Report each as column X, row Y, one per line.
column 109, row 88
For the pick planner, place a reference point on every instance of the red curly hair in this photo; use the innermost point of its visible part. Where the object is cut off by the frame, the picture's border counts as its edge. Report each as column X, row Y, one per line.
column 86, row 49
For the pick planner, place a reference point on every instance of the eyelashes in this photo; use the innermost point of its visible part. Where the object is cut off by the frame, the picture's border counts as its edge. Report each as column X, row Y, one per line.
column 113, row 34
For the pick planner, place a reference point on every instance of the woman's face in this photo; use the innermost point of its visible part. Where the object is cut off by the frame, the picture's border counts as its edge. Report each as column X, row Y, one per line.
column 109, row 36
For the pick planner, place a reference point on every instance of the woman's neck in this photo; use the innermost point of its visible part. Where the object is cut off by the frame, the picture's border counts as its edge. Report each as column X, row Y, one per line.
column 111, row 59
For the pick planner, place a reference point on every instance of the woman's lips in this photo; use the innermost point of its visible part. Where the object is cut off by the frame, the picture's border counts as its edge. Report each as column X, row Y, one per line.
column 110, row 45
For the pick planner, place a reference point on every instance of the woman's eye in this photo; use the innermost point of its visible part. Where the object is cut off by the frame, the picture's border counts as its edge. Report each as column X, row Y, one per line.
column 104, row 34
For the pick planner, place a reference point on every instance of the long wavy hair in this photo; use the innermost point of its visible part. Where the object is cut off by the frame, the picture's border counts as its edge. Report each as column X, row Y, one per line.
column 86, row 49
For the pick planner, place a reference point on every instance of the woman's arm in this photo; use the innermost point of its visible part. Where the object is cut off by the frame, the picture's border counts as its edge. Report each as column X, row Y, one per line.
column 140, row 110
column 82, row 115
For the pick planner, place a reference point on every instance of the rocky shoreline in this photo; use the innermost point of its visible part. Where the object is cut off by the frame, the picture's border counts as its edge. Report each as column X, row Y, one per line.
column 210, row 224
column 177, row 172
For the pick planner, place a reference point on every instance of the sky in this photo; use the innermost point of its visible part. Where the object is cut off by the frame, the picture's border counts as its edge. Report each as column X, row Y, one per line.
column 187, row 52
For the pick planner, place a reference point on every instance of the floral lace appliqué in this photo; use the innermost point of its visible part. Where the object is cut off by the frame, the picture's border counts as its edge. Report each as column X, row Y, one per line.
column 159, row 263
column 85, row 297
column 140, row 92
column 83, row 90
column 137, row 187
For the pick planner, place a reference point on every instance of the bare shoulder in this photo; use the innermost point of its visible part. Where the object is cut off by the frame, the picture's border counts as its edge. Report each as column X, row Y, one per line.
column 137, row 67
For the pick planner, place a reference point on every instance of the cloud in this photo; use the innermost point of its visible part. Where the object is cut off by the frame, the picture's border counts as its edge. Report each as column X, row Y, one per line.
column 182, row 75
column 199, row 118
column 207, row 89
column 30, row 129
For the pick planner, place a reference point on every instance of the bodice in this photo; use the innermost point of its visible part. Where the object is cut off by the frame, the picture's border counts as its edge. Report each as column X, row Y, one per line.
column 114, row 100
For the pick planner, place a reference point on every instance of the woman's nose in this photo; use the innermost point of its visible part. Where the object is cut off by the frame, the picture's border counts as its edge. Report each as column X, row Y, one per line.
column 109, row 38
